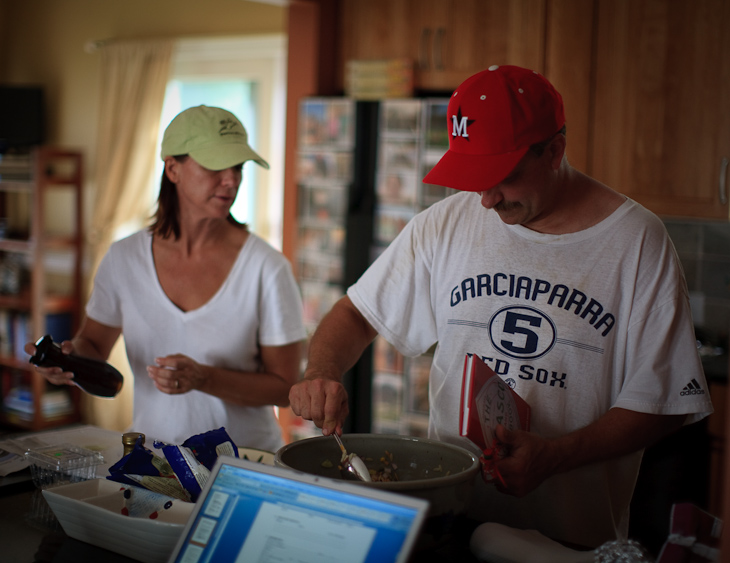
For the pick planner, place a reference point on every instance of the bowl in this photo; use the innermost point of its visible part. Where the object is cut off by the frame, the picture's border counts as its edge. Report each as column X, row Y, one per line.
column 90, row 511
column 443, row 474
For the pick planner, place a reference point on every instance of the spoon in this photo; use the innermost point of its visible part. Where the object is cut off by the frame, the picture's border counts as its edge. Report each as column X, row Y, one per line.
column 351, row 463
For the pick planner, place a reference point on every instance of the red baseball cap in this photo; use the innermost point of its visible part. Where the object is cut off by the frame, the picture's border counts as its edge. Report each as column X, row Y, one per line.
column 493, row 118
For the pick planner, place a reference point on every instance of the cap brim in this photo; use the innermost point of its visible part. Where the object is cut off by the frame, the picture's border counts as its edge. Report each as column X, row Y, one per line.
column 473, row 172
column 225, row 156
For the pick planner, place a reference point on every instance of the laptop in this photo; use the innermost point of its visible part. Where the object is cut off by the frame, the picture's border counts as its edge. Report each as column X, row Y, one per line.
column 250, row 512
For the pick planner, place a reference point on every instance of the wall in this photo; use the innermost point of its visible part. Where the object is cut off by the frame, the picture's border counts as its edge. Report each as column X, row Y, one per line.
column 42, row 42
column 704, row 249
column 3, row 34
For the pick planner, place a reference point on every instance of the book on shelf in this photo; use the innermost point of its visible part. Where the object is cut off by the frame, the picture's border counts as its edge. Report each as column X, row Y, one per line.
column 16, row 331
column 55, row 403
column 486, row 402
column 6, row 331
column 15, row 167
column 21, row 333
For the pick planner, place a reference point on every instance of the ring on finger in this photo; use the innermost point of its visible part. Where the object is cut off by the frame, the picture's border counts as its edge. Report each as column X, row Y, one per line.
column 177, row 384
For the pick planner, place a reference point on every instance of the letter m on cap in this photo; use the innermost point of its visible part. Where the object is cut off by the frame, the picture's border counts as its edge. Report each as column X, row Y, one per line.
column 459, row 124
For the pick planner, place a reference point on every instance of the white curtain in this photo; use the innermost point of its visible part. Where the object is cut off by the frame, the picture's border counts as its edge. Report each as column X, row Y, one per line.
column 134, row 76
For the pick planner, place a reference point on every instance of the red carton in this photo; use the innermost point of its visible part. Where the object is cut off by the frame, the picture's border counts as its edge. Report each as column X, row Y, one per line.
column 487, row 401
column 694, row 536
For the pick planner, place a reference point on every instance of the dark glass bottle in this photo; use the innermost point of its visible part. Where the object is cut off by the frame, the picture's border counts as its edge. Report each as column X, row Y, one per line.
column 93, row 376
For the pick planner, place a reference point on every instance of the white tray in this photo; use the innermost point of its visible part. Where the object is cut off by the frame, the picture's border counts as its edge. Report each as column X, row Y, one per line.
column 90, row 511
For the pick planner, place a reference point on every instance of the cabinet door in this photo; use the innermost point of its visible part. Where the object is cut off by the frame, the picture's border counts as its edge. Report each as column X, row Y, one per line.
column 457, row 38
column 568, row 65
column 375, row 29
column 661, row 124
column 448, row 40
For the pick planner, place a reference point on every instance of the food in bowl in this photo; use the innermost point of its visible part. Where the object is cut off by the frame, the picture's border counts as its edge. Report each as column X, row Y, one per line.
column 443, row 474
column 389, row 471
column 418, row 460
column 386, row 473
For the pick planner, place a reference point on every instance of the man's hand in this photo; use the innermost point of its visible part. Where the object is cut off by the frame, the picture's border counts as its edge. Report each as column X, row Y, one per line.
column 528, row 461
column 340, row 339
column 322, row 401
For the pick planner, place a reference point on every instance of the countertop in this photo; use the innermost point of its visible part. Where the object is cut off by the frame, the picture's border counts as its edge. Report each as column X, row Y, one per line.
column 29, row 534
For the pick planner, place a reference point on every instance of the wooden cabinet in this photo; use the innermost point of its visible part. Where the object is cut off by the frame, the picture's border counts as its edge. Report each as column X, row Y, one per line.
column 448, row 40
column 40, row 203
column 568, row 65
column 375, row 29
column 646, row 82
column 661, row 125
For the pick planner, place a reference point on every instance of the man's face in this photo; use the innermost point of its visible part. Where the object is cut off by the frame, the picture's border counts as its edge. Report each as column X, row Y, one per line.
column 524, row 197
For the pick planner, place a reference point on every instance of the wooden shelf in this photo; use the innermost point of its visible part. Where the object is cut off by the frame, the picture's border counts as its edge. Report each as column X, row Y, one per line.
column 16, row 245
column 50, row 242
column 21, row 422
column 51, row 303
column 16, row 186
column 51, row 169
column 19, row 302
column 15, row 363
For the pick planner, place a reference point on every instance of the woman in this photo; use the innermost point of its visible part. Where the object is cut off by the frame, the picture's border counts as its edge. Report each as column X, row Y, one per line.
column 211, row 314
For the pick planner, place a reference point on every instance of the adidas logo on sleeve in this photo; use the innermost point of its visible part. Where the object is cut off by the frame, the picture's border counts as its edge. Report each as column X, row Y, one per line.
column 692, row 388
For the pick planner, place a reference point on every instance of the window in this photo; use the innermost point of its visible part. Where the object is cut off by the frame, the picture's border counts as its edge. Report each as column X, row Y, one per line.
column 247, row 76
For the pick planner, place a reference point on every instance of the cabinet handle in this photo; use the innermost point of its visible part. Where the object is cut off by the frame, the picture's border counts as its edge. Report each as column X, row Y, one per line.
column 423, row 63
column 723, row 181
column 438, row 47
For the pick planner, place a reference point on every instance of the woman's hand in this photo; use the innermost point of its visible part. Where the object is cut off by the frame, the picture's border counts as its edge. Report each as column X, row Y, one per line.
column 54, row 375
column 177, row 374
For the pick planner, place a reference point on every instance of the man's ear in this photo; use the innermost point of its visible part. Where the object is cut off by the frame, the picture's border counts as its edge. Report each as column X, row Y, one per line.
column 556, row 150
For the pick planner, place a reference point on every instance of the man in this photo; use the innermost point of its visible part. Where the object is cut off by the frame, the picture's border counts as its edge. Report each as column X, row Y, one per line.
column 570, row 291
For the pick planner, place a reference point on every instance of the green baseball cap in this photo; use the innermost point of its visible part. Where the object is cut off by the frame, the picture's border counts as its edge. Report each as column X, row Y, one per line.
column 212, row 137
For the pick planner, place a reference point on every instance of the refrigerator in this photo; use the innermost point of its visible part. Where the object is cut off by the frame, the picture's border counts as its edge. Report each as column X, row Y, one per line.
column 412, row 137
column 359, row 170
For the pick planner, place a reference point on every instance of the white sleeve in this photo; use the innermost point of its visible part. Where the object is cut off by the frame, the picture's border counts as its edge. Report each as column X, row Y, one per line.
column 664, row 371
column 394, row 293
column 281, row 305
column 104, row 305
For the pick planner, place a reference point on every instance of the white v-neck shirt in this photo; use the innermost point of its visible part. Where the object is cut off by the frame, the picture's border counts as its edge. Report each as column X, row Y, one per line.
column 259, row 304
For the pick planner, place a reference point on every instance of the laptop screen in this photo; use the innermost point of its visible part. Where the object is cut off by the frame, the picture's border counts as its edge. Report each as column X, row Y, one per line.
column 250, row 512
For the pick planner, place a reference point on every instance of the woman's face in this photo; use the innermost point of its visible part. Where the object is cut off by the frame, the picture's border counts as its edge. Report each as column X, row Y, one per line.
column 204, row 191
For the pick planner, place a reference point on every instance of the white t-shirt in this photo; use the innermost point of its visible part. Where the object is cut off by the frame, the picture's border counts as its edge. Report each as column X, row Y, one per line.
column 575, row 323
column 258, row 304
